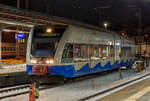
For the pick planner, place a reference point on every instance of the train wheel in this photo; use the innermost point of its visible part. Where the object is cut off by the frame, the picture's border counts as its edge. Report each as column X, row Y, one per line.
column 65, row 80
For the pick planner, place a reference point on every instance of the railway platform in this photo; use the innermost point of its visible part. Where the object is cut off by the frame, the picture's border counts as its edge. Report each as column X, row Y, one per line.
column 136, row 92
column 10, row 66
column 13, row 72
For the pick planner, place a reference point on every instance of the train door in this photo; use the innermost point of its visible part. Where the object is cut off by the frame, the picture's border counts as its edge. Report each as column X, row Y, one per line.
column 117, row 52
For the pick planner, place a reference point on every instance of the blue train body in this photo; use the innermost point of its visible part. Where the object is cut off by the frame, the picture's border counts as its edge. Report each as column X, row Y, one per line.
column 69, row 71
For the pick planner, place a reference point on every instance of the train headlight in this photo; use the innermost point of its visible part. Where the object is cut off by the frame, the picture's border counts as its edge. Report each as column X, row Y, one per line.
column 50, row 61
column 34, row 61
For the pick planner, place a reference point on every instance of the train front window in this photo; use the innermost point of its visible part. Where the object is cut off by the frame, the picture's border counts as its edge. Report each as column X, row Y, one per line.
column 44, row 43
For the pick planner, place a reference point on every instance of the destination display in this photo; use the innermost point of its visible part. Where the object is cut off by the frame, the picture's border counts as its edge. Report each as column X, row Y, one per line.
column 46, row 34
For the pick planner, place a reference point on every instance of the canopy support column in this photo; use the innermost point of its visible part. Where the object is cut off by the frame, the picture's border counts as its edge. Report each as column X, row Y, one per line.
column 1, row 29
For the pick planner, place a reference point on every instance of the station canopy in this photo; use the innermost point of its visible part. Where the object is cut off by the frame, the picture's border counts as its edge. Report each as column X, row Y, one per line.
column 11, row 16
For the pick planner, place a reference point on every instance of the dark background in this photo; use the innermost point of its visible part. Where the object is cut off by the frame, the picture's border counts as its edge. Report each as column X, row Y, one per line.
column 122, row 15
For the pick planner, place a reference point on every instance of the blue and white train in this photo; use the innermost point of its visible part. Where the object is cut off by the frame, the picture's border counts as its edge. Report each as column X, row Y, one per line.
column 76, row 51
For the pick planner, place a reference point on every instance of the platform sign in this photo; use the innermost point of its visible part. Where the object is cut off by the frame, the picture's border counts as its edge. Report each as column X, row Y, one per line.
column 19, row 36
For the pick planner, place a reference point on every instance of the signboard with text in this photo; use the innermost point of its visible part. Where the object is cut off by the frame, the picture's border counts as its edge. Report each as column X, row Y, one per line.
column 19, row 36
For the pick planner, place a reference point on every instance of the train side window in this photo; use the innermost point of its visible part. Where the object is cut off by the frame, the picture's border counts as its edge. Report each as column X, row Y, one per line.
column 67, row 56
column 111, row 51
column 107, row 51
column 84, row 51
column 126, row 51
column 122, row 52
column 100, row 51
column 91, row 50
column 77, row 51
column 81, row 52
column 104, row 52
column 129, row 51
column 96, row 51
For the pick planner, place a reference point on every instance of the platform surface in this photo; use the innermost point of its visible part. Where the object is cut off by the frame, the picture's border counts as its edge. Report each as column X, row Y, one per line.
column 12, row 66
column 12, row 69
column 136, row 92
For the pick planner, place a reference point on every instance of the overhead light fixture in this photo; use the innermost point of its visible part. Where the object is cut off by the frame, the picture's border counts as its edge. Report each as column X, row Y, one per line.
column 49, row 30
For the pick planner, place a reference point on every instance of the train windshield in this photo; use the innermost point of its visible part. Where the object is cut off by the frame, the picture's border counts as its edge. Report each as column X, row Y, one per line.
column 44, row 44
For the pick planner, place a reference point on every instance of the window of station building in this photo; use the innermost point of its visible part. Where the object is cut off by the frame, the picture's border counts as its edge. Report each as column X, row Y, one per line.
column 67, row 56
column 4, row 48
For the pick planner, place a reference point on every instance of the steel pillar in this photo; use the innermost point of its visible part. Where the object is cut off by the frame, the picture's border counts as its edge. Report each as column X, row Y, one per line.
column 1, row 29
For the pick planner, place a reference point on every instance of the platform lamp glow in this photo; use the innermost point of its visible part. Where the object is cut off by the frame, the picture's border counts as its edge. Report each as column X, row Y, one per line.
column 105, row 24
column 49, row 30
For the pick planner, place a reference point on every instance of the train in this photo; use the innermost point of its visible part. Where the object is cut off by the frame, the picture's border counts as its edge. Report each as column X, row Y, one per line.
column 76, row 51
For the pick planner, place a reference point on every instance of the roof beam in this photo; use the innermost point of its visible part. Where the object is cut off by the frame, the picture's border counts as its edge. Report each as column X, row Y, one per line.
column 16, row 23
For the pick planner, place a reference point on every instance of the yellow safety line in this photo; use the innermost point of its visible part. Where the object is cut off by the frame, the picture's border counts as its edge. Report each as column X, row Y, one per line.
column 138, row 94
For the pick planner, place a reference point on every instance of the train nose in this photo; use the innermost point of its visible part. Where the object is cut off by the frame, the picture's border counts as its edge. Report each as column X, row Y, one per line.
column 39, row 70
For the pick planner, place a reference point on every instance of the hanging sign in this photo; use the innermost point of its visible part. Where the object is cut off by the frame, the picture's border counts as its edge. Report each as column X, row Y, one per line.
column 19, row 36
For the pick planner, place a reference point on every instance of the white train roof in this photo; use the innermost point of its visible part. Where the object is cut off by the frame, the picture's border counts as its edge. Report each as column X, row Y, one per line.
column 76, row 34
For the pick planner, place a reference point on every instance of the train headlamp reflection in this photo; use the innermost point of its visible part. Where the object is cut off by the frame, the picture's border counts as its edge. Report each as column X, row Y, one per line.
column 50, row 61
column 34, row 61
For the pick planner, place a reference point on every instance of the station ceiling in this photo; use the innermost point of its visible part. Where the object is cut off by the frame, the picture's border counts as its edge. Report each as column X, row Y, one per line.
column 11, row 16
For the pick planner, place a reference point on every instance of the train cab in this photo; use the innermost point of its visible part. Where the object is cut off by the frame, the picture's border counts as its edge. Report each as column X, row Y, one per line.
column 44, row 42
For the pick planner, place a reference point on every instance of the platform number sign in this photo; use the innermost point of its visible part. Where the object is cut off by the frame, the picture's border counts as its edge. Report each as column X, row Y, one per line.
column 19, row 36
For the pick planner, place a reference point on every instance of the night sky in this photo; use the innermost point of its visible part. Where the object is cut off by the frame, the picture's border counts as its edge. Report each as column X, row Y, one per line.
column 118, row 12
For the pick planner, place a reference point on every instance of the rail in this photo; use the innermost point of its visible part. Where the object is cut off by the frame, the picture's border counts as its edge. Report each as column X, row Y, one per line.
column 22, row 89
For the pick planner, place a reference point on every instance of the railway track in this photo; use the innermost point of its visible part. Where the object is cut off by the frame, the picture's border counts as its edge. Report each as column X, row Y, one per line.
column 20, row 90
column 14, row 91
column 113, row 88
column 24, row 89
